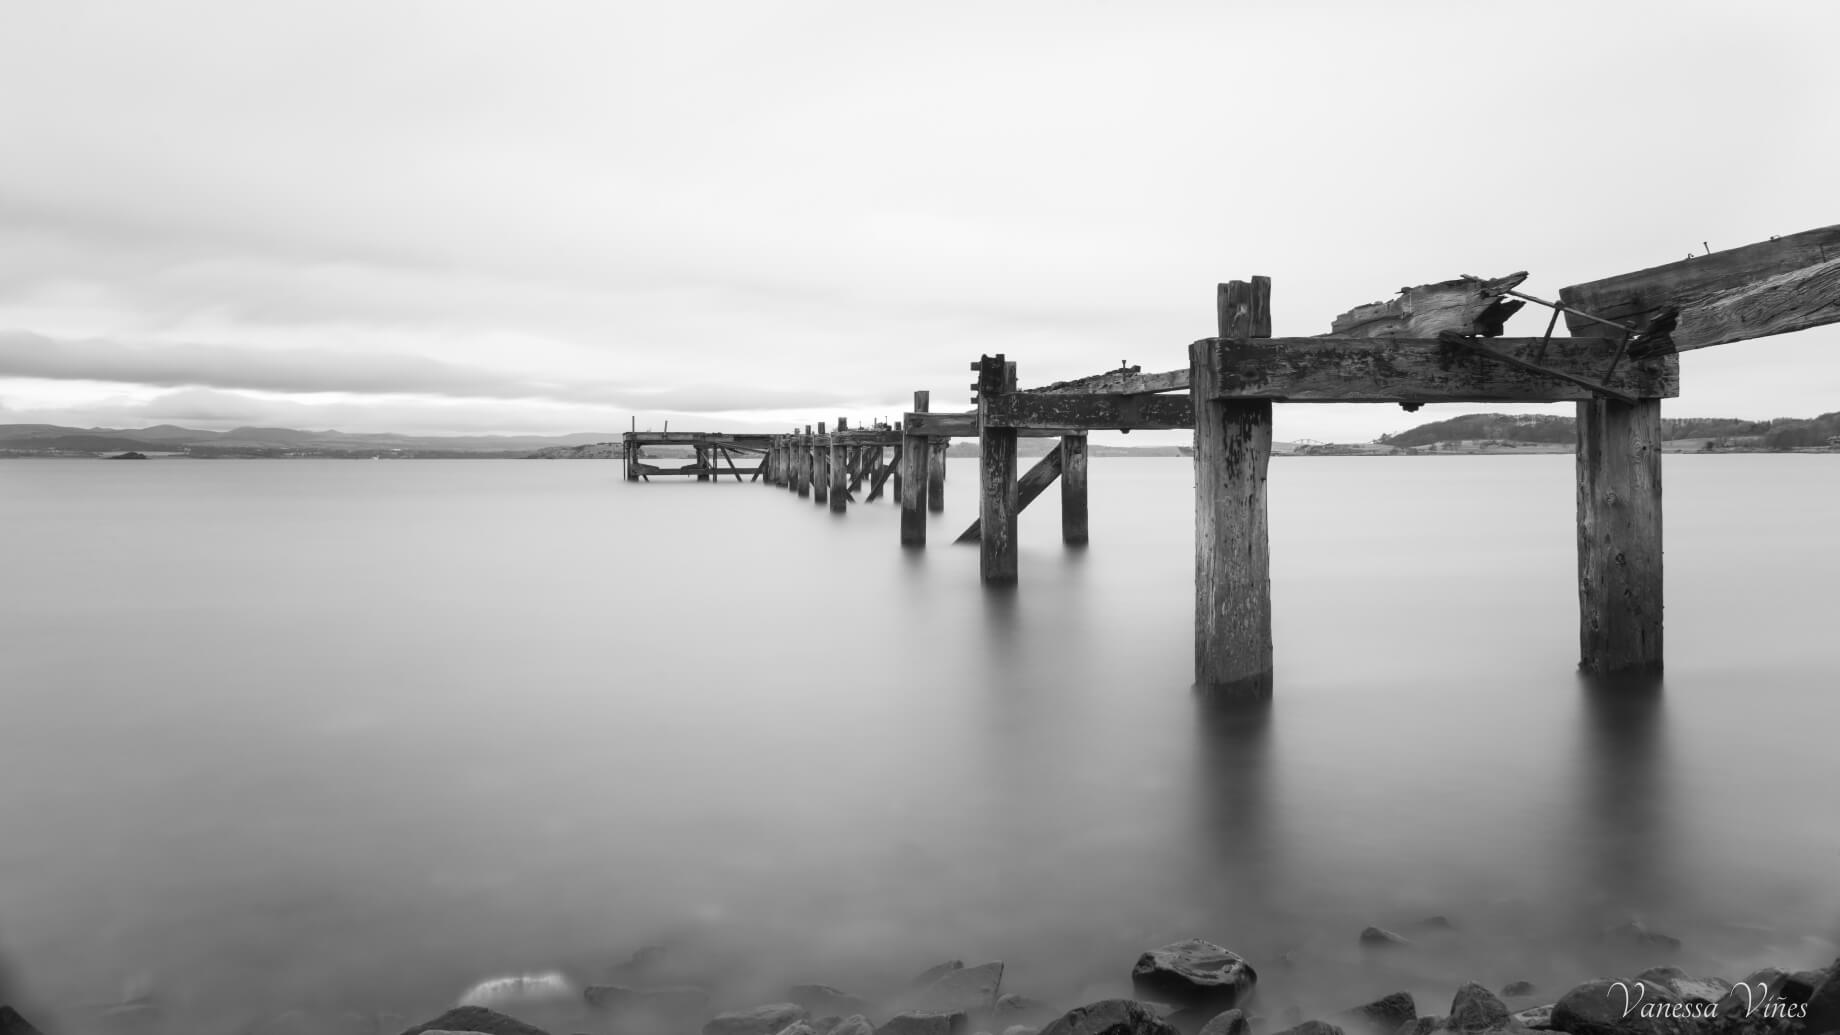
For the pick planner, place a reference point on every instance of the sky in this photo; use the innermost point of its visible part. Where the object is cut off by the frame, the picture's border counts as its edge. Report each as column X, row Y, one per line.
column 532, row 217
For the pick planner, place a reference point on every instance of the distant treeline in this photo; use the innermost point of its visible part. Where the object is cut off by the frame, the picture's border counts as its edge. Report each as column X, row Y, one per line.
column 1781, row 433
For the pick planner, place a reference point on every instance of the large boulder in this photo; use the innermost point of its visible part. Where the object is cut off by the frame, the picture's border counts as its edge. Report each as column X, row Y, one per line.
column 1691, row 989
column 937, row 971
column 856, row 1024
column 1824, row 1003
column 1383, row 1016
column 967, row 990
column 1381, row 938
column 761, row 1020
column 1109, row 1017
column 476, row 1018
column 1476, row 1009
column 1621, row 1008
column 1194, row 974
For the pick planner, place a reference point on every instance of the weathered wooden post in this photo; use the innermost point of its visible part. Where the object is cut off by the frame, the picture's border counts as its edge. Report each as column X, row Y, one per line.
column 913, row 460
column 1232, row 544
column 632, row 459
column 1073, row 489
column 936, row 474
column 1619, row 536
column 803, row 479
column 821, row 467
column 702, row 464
column 839, row 470
column 997, row 480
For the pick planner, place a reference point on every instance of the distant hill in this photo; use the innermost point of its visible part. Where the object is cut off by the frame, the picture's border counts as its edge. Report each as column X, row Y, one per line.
column 53, row 440
column 1717, row 432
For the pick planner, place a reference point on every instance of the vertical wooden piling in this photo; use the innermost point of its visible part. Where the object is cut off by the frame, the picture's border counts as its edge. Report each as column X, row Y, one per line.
column 1073, row 489
column 803, row 481
column 632, row 460
column 936, row 474
column 839, row 471
column 1619, row 536
column 997, row 480
column 1232, row 543
column 913, row 462
column 821, row 468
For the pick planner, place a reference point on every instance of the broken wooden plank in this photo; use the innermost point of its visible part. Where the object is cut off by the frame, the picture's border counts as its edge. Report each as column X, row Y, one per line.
column 1089, row 412
column 1102, row 382
column 1029, row 486
column 1122, row 384
column 1426, row 370
column 1467, row 305
column 1786, row 284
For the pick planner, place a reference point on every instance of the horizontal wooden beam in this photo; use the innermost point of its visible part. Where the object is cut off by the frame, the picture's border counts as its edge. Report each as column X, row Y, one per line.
column 1426, row 370
column 1772, row 287
column 941, row 425
column 1089, row 412
column 867, row 437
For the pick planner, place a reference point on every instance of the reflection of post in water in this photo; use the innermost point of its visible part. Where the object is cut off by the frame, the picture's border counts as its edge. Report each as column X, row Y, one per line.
column 1240, row 849
column 1627, row 835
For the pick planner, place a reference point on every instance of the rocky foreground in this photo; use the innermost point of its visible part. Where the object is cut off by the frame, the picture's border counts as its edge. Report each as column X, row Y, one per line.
column 1186, row 988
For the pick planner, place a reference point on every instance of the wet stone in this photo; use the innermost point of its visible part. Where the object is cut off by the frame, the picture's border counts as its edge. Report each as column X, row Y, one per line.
column 761, row 1020
column 1194, row 974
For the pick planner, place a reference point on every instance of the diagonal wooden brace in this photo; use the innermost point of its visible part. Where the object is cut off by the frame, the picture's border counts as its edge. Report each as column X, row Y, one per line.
column 1476, row 346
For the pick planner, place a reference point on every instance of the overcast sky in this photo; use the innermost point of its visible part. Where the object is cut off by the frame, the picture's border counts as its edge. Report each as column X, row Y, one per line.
column 456, row 216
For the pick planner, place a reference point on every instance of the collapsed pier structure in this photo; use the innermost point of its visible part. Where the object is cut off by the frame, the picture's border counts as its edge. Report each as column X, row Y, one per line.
column 1441, row 342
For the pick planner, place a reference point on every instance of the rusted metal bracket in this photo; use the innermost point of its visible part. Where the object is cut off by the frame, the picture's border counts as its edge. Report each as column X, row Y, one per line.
column 1475, row 345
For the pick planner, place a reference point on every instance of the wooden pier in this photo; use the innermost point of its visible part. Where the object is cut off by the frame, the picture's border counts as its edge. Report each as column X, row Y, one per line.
column 1439, row 342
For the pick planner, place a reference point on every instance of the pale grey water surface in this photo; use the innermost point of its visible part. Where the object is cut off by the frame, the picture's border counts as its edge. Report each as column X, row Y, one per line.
column 337, row 733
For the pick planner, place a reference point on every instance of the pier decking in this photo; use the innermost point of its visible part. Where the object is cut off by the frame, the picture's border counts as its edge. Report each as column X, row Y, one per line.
column 1440, row 342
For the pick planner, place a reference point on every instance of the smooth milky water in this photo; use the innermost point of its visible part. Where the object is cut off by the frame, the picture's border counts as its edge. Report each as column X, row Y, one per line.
column 333, row 734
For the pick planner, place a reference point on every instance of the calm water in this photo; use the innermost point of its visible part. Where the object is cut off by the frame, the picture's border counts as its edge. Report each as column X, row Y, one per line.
column 349, row 734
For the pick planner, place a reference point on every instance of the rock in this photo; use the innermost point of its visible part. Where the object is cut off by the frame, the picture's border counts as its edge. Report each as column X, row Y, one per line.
column 968, row 990
column 823, row 1000
column 1634, row 935
column 798, row 1028
column 1421, row 1026
column 1704, row 990
column 1228, row 1022
column 1313, row 1028
column 1475, row 1009
column 761, row 1020
column 1383, row 1016
column 1381, row 938
column 13, row 1024
column 826, row 1025
column 1516, row 989
column 1824, row 1003
column 1021, row 1029
column 1109, row 1017
column 1194, row 974
column 475, row 1019
column 923, row 1024
column 932, row 974
column 854, row 1025
column 521, row 990
column 1539, row 1018
column 1602, row 1008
